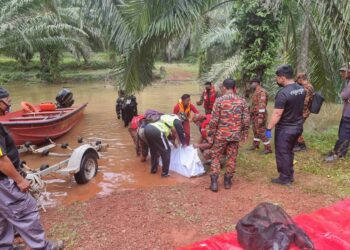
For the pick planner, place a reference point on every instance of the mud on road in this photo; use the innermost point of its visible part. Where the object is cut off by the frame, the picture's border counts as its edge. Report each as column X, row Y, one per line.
column 170, row 216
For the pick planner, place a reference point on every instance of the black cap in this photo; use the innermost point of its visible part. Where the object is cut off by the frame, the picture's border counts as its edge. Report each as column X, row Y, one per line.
column 229, row 83
column 3, row 93
column 207, row 83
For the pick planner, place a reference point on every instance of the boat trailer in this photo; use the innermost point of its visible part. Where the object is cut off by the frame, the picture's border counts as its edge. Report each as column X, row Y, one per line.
column 80, row 162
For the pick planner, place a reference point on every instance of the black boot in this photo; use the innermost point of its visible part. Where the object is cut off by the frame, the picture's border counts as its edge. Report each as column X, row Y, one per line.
column 214, row 182
column 296, row 147
column 302, row 146
column 228, row 181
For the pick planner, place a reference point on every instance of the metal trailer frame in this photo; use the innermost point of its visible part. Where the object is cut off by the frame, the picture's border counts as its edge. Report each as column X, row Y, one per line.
column 72, row 165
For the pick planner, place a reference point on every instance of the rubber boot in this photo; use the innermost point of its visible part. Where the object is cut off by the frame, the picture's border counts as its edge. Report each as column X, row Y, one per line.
column 255, row 146
column 214, row 182
column 228, row 181
column 267, row 149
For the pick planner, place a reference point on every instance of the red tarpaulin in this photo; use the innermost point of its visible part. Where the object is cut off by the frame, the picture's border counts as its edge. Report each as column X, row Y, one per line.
column 329, row 228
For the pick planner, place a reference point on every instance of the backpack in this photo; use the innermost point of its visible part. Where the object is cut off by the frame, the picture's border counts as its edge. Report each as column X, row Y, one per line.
column 317, row 102
column 152, row 116
column 129, row 103
column 269, row 227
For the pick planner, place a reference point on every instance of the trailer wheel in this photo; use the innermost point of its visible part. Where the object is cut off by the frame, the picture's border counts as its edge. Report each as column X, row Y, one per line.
column 88, row 168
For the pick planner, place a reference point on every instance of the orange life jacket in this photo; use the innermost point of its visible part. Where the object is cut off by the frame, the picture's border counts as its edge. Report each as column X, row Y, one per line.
column 182, row 109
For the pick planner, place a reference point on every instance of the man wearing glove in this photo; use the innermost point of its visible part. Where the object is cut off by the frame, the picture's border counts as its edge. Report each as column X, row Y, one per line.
column 258, row 115
column 18, row 209
column 287, row 118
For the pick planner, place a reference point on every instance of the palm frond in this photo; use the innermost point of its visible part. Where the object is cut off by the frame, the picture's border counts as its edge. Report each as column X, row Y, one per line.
column 223, row 70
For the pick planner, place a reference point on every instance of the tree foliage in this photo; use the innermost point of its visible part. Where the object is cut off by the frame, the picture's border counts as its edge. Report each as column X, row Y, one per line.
column 48, row 27
column 258, row 37
column 231, row 37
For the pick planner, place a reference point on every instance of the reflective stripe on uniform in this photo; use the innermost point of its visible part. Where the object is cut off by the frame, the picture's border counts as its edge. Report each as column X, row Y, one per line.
column 256, row 139
column 163, row 140
column 266, row 143
column 262, row 110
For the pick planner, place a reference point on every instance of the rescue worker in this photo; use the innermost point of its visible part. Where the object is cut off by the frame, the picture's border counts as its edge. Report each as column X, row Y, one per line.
column 157, row 134
column 205, row 142
column 126, row 107
column 208, row 98
column 309, row 91
column 119, row 104
column 229, row 125
column 140, row 145
column 18, row 208
column 258, row 116
column 287, row 117
column 185, row 107
column 341, row 147
column 142, row 141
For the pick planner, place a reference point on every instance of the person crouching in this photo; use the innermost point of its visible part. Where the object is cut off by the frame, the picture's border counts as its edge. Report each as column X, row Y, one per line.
column 136, row 132
column 205, row 142
column 157, row 135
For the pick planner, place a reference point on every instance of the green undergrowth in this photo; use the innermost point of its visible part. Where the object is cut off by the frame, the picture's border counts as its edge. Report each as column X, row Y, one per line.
column 313, row 174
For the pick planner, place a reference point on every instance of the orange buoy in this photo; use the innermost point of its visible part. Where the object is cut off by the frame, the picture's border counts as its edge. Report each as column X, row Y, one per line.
column 47, row 106
column 28, row 107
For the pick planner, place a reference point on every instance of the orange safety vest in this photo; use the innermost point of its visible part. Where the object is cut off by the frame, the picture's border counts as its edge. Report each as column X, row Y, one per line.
column 182, row 109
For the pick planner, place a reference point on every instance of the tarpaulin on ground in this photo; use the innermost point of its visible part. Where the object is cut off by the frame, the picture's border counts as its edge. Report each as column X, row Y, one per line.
column 185, row 161
column 329, row 228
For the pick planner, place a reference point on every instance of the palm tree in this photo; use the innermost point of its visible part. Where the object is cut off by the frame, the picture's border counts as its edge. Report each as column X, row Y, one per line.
column 47, row 27
column 141, row 28
column 315, row 39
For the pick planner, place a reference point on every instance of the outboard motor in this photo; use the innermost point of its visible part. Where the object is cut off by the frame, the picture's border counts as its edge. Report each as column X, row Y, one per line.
column 64, row 99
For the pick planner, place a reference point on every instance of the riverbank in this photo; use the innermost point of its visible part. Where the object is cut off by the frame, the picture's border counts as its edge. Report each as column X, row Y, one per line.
column 97, row 68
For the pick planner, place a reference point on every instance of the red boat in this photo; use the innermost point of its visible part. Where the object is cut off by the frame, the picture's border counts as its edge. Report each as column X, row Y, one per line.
column 36, row 127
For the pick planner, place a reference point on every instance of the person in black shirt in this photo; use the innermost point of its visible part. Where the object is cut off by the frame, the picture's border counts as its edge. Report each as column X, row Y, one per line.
column 287, row 119
column 18, row 209
column 126, row 107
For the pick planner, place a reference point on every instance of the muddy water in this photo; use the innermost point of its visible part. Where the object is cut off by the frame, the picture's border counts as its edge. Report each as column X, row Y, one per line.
column 119, row 167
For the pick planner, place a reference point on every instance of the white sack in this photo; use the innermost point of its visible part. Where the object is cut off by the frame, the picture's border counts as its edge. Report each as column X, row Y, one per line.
column 185, row 161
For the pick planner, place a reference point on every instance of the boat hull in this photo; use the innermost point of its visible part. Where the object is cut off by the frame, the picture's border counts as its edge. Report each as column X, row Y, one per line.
column 38, row 132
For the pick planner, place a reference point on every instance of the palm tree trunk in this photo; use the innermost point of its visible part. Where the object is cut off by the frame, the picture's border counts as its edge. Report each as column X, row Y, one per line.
column 303, row 60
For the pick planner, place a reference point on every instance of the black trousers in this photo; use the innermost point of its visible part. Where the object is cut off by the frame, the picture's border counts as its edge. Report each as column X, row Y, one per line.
column 285, row 139
column 342, row 145
column 159, row 146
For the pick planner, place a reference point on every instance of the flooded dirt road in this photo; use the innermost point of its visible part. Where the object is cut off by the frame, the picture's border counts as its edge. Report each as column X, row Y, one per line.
column 119, row 167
